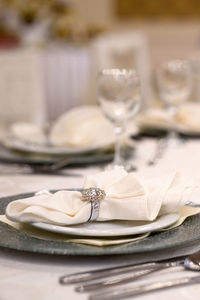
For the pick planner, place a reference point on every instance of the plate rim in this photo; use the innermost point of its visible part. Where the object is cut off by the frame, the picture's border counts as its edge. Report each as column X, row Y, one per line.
column 161, row 223
column 20, row 145
column 11, row 156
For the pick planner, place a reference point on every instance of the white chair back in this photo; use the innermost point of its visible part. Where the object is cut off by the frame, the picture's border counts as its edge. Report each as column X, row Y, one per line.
column 21, row 87
column 66, row 71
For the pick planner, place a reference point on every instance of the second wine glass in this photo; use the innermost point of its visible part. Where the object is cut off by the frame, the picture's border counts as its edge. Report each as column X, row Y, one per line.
column 119, row 95
column 174, row 79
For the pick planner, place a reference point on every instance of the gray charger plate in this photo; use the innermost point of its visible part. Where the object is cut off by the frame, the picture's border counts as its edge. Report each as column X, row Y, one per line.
column 17, row 157
column 186, row 234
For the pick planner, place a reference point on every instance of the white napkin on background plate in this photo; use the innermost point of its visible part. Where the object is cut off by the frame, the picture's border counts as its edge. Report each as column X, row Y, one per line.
column 155, row 118
column 81, row 127
column 128, row 197
column 187, row 118
column 29, row 132
column 84, row 126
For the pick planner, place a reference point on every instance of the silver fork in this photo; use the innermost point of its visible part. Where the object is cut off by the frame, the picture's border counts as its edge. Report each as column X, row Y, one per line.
column 161, row 147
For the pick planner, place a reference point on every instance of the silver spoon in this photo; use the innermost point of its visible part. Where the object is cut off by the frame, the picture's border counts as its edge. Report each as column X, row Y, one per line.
column 159, row 152
column 192, row 262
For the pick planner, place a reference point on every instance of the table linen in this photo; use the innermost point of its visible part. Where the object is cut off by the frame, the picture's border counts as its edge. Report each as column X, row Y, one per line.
column 36, row 276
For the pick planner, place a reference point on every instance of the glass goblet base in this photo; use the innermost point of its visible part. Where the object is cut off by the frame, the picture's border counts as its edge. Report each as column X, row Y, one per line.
column 174, row 140
column 127, row 165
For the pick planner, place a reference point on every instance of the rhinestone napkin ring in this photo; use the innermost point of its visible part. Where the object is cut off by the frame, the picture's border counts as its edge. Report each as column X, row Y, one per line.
column 94, row 196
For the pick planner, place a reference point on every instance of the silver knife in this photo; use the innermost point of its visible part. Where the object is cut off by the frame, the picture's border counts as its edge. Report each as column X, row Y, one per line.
column 102, row 273
column 122, row 293
column 133, row 274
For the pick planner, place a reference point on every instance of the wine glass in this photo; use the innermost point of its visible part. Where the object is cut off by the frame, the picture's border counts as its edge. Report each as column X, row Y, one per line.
column 119, row 96
column 174, row 79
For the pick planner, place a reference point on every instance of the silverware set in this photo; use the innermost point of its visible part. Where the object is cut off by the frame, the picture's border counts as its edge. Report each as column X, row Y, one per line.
column 161, row 147
column 110, row 283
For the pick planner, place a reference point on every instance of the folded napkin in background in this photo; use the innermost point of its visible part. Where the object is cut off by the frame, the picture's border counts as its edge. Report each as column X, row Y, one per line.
column 128, row 197
column 28, row 132
column 84, row 126
column 81, row 127
column 187, row 117
column 185, row 212
column 154, row 117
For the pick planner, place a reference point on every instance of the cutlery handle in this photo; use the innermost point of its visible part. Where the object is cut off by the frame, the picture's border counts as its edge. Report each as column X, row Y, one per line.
column 95, row 274
column 124, row 278
column 108, row 272
column 144, row 288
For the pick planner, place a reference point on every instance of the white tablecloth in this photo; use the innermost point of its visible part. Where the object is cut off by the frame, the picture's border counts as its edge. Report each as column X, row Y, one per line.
column 35, row 276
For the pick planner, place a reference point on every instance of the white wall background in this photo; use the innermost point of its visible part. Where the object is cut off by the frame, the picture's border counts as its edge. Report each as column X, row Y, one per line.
column 166, row 39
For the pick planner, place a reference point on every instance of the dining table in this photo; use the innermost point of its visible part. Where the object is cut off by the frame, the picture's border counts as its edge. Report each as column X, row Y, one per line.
column 28, row 272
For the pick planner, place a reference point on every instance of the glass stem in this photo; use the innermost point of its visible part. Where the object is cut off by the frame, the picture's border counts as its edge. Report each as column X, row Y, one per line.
column 119, row 132
column 172, row 135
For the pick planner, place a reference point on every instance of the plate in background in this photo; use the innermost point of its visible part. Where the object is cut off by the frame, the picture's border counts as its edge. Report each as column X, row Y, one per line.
column 18, row 157
column 24, row 146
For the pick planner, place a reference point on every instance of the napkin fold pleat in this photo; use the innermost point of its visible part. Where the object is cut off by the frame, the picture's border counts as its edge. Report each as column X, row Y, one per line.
column 52, row 209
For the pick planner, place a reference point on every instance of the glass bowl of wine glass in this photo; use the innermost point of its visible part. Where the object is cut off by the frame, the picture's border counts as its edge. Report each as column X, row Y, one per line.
column 174, row 82
column 119, row 96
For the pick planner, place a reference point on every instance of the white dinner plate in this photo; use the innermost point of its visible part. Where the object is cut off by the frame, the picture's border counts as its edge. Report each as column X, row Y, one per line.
column 111, row 228
column 20, row 145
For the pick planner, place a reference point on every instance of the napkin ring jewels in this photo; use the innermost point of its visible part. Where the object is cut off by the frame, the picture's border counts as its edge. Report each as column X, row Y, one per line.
column 94, row 196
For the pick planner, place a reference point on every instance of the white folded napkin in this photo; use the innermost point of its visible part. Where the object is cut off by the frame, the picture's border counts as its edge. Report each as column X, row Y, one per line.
column 189, row 116
column 154, row 117
column 84, row 126
column 128, row 197
column 81, row 127
column 29, row 132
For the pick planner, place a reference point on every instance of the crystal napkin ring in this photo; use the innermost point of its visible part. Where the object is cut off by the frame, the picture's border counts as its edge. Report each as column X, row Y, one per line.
column 94, row 196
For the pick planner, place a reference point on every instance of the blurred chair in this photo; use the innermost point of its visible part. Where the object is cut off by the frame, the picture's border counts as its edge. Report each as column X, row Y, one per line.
column 21, row 87
column 123, row 50
column 66, row 73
